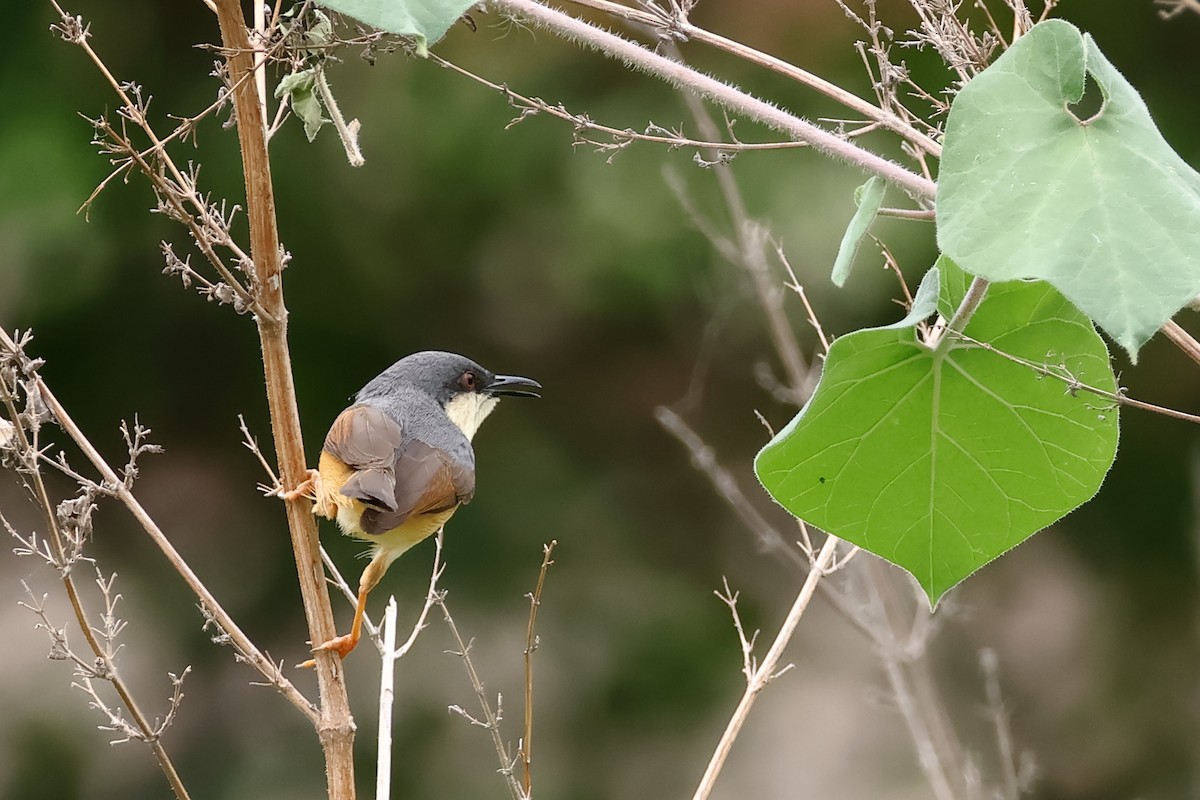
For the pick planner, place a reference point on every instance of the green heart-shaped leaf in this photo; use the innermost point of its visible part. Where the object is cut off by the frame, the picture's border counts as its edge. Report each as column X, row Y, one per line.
column 1102, row 208
column 941, row 460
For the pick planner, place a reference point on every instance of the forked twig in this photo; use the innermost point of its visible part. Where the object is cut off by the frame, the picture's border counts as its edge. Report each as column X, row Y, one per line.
column 491, row 717
column 246, row 648
column 768, row 669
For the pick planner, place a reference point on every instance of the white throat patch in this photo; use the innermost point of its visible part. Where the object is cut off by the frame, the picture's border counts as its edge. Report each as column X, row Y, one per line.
column 469, row 410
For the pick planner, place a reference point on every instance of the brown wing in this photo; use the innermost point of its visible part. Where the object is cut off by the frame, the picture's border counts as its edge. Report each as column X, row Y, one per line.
column 394, row 476
column 366, row 440
column 427, row 481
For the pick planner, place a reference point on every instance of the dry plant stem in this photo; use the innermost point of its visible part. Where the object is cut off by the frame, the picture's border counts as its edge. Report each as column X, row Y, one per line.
column 240, row 640
column 491, row 719
column 159, row 146
column 680, row 27
column 751, row 244
column 938, row 751
column 389, row 655
column 1073, row 384
column 1181, row 338
column 767, row 670
column 704, row 459
column 531, row 643
column 990, row 666
column 387, row 679
column 1173, row 8
column 336, row 725
column 640, row 58
column 105, row 665
column 620, row 136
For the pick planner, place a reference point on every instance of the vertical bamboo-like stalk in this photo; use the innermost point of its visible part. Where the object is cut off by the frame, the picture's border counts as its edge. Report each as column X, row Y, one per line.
column 336, row 726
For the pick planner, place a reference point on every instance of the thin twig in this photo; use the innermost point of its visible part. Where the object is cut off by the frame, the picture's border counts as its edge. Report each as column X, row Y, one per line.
column 389, row 655
column 1181, row 338
column 908, row 213
column 937, row 750
column 1073, row 384
column 105, row 665
column 491, row 718
column 767, row 670
column 246, row 648
column 989, row 664
column 135, row 112
column 621, row 137
column 642, row 59
column 704, row 459
column 676, row 27
column 531, row 644
column 346, row 131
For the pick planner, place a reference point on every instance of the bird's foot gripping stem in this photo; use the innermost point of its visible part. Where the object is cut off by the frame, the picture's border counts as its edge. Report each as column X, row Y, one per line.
column 306, row 488
column 342, row 645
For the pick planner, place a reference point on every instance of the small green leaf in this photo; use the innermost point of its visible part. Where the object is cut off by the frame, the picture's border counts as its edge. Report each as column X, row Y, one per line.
column 940, row 461
column 299, row 88
column 1102, row 208
column 869, row 198
column 425, row 20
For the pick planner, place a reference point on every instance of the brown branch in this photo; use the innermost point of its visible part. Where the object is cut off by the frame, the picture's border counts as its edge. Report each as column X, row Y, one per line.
column 1182, row 339
column 104, row 666
column 768, row 669
column 336, row 725
column 73, row 31
column 118, row 488
column 531, row 644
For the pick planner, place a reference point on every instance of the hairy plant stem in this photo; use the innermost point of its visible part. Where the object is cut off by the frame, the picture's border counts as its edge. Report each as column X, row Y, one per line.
column 767, row 670
column 679, row 27
column 336, row 725
column 737, row 101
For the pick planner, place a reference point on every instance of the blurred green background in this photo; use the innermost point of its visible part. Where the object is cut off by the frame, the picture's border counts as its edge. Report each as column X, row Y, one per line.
column 540, row 259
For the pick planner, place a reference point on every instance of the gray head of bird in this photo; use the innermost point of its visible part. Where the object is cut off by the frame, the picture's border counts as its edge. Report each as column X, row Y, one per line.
column 466, row 391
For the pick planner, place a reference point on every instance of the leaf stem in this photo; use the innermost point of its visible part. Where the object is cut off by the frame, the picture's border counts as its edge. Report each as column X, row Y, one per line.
column 347, row 132
column 962, row 315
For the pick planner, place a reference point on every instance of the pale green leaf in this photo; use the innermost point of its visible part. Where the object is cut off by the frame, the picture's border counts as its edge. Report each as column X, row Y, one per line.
column 869, row 198
column 425, row 20
column 939, row 461
column 300, row 89
column 1102, row 208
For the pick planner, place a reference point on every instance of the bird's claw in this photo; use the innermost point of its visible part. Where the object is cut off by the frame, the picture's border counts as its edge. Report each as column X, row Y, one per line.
column 342, row 645
column 307, row 488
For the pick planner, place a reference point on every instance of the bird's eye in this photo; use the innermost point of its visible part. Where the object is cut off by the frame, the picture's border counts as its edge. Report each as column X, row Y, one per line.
column 467, row 381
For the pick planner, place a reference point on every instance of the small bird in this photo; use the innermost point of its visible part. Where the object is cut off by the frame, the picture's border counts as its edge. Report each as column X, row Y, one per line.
column 398, row 462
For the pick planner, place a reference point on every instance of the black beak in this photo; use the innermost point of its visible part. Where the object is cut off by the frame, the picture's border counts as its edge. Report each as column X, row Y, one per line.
column 513, row 386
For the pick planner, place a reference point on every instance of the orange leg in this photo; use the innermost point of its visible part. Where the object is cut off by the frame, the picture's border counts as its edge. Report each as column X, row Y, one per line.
column 342, row 645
